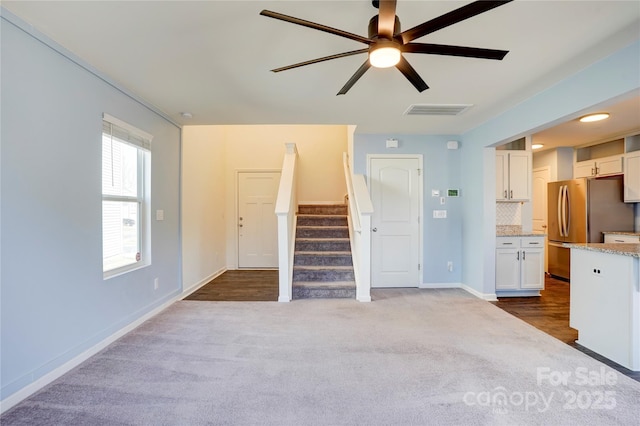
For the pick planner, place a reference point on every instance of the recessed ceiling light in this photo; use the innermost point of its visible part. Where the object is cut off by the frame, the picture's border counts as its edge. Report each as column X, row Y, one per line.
column 537, row 146
column 186, row 115
column 594, row 117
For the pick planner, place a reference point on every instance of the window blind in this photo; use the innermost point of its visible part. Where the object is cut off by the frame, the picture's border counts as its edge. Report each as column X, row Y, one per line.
column 126, row 133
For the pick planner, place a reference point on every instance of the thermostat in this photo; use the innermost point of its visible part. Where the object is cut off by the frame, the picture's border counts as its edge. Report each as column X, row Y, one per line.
column 453, row 192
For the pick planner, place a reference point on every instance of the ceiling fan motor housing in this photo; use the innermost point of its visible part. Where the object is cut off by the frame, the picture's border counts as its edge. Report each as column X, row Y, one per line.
column 373, row 28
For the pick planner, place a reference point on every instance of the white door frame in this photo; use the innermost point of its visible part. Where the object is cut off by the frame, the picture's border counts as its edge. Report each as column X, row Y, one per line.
column 418, row 157
column 236, row 207
column 546, row 169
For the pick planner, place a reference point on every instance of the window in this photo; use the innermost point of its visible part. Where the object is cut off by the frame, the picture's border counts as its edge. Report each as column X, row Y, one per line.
column 125, row 188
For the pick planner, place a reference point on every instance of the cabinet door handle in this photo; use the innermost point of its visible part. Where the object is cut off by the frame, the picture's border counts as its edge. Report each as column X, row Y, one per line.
column 523, row 255
column 517, row 255
column 511, row 196
column 505, row 193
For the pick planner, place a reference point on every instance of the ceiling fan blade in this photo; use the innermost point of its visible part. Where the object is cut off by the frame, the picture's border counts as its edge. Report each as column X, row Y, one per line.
column 325, row 58
column 315, row 26
column 453, row 17
column 442, row 49
column 355, row 77
column 386, row 18
column 411, row 74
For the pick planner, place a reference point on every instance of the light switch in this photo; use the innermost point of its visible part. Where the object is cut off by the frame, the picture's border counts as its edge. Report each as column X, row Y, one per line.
column 435, row 192
column 159, row 214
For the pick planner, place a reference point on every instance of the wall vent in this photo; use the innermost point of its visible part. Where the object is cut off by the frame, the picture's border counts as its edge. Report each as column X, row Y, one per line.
column 437, row 109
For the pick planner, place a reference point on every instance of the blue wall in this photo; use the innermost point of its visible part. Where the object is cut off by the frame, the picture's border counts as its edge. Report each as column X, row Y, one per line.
column 55, row 303
column 615, row 76
column 442, row 237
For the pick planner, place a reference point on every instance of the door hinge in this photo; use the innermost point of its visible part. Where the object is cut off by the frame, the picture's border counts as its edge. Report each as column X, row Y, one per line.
column 419, row 267
column 419, row 172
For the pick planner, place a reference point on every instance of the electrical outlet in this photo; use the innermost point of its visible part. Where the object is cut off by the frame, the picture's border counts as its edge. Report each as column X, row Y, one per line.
column 439, row 214
column 450, row 266
column 156, row 283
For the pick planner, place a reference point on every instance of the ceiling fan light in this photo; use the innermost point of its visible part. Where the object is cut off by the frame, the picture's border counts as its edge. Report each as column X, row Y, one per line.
column 594, row 117
column 384, row 57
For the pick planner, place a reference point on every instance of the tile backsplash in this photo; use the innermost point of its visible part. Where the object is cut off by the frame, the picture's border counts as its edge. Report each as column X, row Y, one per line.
column 508, row 213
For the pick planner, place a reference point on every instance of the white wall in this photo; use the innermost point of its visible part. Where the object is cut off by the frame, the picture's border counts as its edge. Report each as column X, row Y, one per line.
column 55, row 303
column 203, row 204
column 210, row 240
column 559, row 160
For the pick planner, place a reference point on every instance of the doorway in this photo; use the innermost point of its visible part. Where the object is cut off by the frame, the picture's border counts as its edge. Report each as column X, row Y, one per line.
column 541, row 177
column 257, row 222
column 396, row 239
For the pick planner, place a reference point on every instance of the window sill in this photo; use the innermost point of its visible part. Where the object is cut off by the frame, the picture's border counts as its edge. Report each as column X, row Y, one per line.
column 124, row 270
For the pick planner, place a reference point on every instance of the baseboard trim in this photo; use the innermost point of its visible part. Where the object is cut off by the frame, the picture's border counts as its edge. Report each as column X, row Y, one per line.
column 489, row 297
column 202, row 282
column 22, row 394
column 440, row 285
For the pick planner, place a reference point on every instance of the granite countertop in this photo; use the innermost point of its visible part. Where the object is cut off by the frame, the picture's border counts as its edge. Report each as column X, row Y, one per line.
column 636, row 234
column 625, row 249
column 515, row 231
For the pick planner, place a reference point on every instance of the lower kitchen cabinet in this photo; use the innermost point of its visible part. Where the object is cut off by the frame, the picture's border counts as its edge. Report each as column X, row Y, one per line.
column 519, row 266
column 605, row 304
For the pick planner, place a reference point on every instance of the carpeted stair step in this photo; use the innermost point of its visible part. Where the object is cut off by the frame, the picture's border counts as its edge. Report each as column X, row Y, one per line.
column 322, row 232
column 322, row 273
column 337, row 209
column 322, row 258
column 322, row 220
column 324, row 290
column 322, row 244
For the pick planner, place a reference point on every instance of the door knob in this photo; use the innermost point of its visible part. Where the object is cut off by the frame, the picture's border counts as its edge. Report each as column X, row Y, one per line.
column 375, row 229
column 240, row 225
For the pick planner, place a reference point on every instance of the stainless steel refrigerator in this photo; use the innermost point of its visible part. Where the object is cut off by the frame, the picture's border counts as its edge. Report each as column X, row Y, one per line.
column 579, row 210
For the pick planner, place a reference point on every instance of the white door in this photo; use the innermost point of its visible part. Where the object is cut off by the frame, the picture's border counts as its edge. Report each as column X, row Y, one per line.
column 395, row 239
column 257, row 222
column 541, row 177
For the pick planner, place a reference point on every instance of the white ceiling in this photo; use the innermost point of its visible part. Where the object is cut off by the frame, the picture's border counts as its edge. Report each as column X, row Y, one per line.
column 212, row 58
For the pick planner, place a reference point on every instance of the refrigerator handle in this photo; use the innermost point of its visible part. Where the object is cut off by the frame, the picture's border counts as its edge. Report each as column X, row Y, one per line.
column 567, row 225
column 560, row 192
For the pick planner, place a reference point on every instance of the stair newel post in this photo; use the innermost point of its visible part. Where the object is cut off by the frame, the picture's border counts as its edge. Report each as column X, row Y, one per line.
column 286, row 207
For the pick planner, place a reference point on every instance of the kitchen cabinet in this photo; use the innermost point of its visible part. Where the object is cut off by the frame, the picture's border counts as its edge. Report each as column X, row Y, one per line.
column 632, row 177
column 605, row 304
column 513, row 175
column 519, row 266
column 605, row 166
column 621, row 238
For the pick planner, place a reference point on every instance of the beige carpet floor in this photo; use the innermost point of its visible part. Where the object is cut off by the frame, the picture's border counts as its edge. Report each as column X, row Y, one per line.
column 411, row 357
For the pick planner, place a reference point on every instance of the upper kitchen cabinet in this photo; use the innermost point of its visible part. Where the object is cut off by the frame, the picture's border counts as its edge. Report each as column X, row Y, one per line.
column 604, row 159
column 632, row 169
column 513, row 175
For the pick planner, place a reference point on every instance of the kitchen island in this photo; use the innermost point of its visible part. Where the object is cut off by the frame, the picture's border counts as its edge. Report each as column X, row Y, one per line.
column 605, row 300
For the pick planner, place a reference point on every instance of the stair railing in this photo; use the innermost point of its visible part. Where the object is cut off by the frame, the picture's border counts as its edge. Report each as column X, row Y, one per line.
column 359, row 218
column 286, row 208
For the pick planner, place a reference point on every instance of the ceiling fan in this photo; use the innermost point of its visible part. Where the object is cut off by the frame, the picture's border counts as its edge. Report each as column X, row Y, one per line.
column 386, row 43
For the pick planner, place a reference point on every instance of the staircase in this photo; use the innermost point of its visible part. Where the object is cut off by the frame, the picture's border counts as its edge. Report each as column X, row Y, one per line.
column 322, row 265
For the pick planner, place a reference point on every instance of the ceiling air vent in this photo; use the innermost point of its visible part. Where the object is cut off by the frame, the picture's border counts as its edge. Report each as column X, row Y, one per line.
column 437, row 109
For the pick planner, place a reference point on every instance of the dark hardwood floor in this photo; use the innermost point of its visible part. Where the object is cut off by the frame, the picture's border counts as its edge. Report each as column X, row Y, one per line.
column 550, row 313
column 240, row 286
